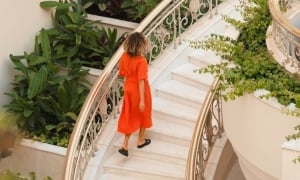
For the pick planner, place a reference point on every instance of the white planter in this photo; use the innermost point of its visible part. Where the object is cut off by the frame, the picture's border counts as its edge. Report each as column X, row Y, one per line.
column 121, row 25
column 40, row 158
column 257, row 130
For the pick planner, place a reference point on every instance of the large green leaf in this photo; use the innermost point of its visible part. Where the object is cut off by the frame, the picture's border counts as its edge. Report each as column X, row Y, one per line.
column 62, row 97
column 37, row 82
column 36, row 60
column 17, row 62
column 45, row 44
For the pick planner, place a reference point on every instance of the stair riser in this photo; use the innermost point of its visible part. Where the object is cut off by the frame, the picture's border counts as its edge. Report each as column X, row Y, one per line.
column 198, row 61
column 156, row 157
column 173, row 119
column 138, row 175
column 167, row 138
column 178, row 99
column 195, row 83
column 160, row 158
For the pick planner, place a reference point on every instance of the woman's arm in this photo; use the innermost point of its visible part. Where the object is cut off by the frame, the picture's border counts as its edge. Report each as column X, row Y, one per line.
column 142, row 94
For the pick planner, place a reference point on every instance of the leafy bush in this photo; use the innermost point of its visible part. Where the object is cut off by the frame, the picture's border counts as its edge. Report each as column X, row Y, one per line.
column 76, row 38
column 9, row 175
column 47, row 99
column 249, row 65
column 130, row 10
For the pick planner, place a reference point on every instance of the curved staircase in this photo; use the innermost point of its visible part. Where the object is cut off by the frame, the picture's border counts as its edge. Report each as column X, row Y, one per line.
column 178, row 94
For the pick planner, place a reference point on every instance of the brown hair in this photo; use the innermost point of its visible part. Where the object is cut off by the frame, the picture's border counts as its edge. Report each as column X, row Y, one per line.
column 135, row 44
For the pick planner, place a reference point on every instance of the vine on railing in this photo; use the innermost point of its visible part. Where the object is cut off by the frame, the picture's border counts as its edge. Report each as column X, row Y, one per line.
column 163, row 26
column 208, row 128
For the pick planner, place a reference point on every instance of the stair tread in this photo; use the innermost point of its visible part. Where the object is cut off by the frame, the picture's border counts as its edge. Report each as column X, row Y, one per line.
column 179, row 89
column 116, row 177
column 172, row 108
column 158, row 147
column 207, row 57
column 143, row 165
column 172, row 129
column 187, row 70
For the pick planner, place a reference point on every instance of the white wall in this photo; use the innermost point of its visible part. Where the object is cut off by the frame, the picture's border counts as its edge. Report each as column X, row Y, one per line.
column 20, row 22
column 257, row 131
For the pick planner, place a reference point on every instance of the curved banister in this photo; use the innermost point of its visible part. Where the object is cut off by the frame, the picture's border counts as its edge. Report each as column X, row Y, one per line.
column 209, row 127
column 162, row 27
column 274, row 7
column 286, row 36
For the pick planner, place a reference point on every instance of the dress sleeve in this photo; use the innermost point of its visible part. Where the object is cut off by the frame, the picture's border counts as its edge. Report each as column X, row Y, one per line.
column 142, row 69
column 122, row 66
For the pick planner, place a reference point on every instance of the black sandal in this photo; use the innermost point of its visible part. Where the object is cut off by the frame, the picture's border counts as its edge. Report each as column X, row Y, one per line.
column 147, row 142
column 123, row 151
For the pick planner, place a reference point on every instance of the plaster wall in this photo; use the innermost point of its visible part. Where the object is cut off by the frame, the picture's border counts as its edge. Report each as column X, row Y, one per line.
column 20, row 22
column 257, row 130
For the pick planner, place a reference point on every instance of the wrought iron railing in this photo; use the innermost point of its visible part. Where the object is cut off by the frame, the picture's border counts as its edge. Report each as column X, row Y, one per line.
column 163, row 26
column 285, row 35
column 208, row 128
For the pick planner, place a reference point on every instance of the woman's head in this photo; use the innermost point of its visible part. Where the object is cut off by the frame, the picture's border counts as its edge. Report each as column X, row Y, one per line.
column 135, row 44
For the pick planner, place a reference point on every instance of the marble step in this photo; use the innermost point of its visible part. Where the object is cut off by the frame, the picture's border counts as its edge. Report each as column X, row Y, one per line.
column 174, row 112
column 159, row 149
column 203, row 58
column 142, row 168
column 181, row 93
column 187, row 73
column 171, row 132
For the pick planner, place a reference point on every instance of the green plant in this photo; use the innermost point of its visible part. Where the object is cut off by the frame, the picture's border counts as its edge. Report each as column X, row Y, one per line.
column 50, row 86
column 248, row 65
column 46, row 100
column 112, row 8
column 130, row 10
column 9, row 175
column 136, row 10
column 75, row 38
column 284, row 5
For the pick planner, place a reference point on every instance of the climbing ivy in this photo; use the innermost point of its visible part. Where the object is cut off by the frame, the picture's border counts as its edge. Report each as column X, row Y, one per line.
column 247, row 64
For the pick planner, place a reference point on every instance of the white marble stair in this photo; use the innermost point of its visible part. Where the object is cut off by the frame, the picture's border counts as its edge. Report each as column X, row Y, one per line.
column 181, row 93
column 169, row 152
column 143, row 168
column 186, row 73
column 177, row 100
column 174, row 112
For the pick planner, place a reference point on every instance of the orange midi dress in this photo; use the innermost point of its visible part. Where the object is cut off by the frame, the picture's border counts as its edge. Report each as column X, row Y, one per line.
column 131, row 118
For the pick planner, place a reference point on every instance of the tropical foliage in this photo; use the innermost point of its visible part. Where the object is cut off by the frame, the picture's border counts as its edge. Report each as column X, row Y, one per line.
column 50, row 86
column 130, row 10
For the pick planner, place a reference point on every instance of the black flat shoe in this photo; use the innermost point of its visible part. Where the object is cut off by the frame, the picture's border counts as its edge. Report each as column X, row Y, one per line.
column 147, row 142
column 124, row 152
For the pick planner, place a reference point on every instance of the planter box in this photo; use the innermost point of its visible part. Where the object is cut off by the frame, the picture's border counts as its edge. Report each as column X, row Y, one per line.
column 121, row 25
column 40, row 158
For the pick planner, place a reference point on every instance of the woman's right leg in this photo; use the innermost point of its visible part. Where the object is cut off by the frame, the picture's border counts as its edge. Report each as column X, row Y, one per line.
column 124, row 149
column 126, row 141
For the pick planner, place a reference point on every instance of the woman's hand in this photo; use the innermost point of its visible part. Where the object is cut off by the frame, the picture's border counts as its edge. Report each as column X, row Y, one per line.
column 142, row 106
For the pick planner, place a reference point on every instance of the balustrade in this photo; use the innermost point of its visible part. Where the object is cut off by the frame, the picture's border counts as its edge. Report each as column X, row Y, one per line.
column 163, row 26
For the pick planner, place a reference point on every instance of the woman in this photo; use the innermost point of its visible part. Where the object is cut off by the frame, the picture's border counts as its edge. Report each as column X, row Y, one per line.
column 137, row 101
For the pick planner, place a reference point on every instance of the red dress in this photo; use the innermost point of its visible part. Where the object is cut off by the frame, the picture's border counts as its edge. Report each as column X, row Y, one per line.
column 131, row 118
